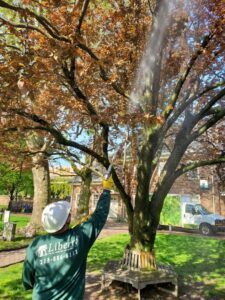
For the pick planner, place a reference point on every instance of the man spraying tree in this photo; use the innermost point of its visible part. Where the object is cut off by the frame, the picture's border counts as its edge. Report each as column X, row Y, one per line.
column 55, row 264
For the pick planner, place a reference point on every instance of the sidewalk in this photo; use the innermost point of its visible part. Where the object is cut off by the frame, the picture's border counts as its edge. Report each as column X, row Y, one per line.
column 8, row 258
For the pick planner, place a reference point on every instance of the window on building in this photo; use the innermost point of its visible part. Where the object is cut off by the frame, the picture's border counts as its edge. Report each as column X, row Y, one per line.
column 193, row 174
column 204, row 184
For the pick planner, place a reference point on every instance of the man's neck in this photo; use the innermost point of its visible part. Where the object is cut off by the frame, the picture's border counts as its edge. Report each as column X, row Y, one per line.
column 62, row 230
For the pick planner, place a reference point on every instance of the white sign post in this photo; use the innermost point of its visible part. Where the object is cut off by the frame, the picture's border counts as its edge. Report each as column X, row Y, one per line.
column 6, row 216
column 9, row 229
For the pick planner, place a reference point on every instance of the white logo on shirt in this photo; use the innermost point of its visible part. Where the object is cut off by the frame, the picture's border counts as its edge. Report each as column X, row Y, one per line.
column 42, row 250
column 56, row 251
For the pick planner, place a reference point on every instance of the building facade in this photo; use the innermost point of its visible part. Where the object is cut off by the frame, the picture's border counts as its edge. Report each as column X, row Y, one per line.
column 200, row 185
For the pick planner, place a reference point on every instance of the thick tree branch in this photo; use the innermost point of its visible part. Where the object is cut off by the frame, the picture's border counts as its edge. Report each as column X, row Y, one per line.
column 84, row 10
column 208, row 106
column 185, row 104
column 195, row 165
column 13, row 47
column 22, row 26
column 69, row 74
column 60, row 139
column 91, row 110
column 183, row 139
column 220, row 113
column 150, row 7
column 52, row 31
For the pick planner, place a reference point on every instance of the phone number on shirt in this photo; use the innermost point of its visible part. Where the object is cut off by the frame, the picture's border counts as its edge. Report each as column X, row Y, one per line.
column 55, row 258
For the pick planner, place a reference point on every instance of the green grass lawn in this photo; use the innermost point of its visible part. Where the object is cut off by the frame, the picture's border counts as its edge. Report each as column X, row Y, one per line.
column 20, row 220
column 195, row 259
column 19, row 241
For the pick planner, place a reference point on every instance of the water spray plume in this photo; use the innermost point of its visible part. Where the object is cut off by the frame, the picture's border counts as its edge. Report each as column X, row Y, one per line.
column 143, row 85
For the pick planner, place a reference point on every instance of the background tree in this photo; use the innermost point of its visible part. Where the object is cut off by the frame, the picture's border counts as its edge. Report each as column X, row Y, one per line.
column 77, row 63
column 15, row 167
column 60, row 188
column 15, row 182
column 85, row 174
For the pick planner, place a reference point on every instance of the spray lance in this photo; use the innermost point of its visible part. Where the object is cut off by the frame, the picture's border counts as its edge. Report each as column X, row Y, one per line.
column 108, row 173
column 109, row 170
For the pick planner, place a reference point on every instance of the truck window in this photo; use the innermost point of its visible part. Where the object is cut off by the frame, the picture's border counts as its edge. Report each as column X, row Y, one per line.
column 202, row 210
column 189, row 209
column 197, row 211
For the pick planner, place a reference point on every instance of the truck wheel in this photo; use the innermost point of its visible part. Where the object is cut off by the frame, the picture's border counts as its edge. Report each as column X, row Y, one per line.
column 206, row 229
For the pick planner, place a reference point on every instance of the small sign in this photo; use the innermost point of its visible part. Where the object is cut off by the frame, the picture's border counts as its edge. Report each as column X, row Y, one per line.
column 6, row 216
column 204, row 184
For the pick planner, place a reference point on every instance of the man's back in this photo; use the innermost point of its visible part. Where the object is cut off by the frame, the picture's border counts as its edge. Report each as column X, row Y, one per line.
column 56, row 263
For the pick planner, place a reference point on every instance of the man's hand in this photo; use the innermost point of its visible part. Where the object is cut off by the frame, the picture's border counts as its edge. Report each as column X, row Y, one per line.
column 108, row 184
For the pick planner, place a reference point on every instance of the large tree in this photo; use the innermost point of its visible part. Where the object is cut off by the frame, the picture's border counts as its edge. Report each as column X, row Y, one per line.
column 26, row 151
column 77, row 61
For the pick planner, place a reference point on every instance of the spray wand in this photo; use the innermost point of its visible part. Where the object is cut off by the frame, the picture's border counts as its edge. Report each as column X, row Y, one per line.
column 109, row 170
column 108, row 173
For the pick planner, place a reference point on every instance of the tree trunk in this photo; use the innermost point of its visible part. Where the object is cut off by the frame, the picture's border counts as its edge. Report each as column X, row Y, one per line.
column 145, row 221
column 85, row 194
column 85, row 174
column 11, row 197
column 41, row 181
column 141, row 219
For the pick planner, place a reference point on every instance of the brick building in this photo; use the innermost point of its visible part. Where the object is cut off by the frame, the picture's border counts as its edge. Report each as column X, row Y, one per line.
column 200, row 184
column 117, row 208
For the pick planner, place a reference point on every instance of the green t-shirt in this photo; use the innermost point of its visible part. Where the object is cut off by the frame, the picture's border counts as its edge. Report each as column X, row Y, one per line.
column 55, row 265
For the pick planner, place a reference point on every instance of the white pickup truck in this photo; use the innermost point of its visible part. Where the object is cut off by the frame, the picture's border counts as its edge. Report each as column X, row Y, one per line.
column 196, row 216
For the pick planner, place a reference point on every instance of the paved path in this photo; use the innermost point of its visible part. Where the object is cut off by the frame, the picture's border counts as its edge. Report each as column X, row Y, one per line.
column 8, row 258
column 12, row 257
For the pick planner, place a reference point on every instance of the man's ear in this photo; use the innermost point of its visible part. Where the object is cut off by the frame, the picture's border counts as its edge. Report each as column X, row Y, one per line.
column 68, row 219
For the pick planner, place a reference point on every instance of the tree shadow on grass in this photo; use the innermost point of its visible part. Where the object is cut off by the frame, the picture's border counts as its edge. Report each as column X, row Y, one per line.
column 100, row 254
column 198, row 261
